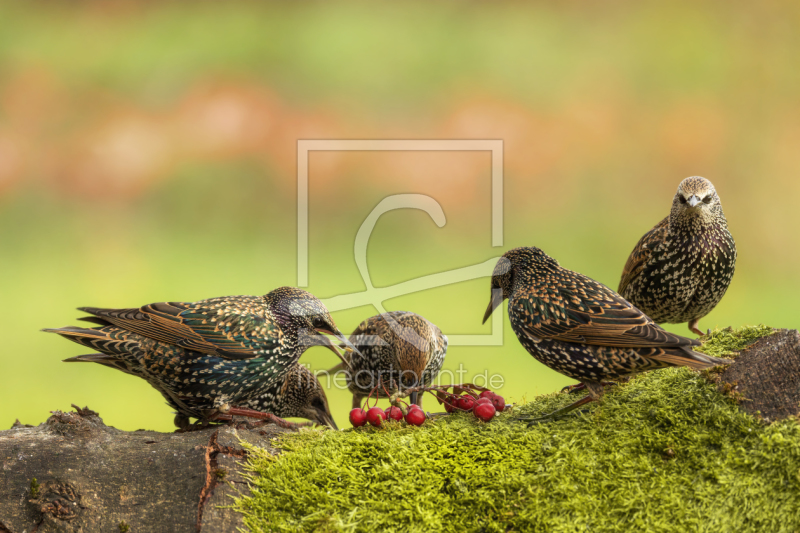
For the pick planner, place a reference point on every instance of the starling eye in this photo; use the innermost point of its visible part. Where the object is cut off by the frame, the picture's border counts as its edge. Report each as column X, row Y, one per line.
column 316, row 403
column 682, row 199
column 707, row 199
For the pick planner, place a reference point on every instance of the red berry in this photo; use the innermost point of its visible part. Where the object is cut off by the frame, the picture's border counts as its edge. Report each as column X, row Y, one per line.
column 482, row 401
column 375, row 416
column 499, row 403
column 415, row 417
column 485, row 411
column 465, row 402
column 450, row 403
column 358, row 417
column 414, row 406
column 487, row 394
column 395, row 413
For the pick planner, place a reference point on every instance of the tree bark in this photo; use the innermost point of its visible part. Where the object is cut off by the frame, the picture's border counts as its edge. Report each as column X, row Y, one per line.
column 766, row 376
column 91, row 477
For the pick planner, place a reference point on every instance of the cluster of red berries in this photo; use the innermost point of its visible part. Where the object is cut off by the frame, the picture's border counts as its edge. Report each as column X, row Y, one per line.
column 483, row 407
column 414, row 416
column 481, row 402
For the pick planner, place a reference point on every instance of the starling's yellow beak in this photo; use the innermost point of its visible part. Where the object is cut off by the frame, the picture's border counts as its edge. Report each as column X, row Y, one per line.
column 497, row 299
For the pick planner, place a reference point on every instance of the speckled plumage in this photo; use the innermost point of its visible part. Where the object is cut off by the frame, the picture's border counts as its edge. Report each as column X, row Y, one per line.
column 580, row 327
column 679, row 270
column 398, row 348
column 209, row 355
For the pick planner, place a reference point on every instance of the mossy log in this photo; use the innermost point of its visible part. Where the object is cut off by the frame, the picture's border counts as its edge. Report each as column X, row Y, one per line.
column 73, row 473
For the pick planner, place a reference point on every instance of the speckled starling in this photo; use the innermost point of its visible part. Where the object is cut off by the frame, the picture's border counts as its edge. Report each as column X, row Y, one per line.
column 209, row 357
column 680, row 270
column 398, row 349
column 298, row 395
column 580, row 327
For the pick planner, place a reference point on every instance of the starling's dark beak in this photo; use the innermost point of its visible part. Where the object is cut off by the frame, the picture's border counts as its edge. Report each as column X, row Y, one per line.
column 346, row 344
column 497, row 299
column 325, row 418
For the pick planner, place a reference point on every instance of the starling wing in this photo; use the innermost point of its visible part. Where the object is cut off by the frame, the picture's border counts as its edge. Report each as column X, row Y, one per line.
column 641, row 254
column 570, row 307
column 237, row 327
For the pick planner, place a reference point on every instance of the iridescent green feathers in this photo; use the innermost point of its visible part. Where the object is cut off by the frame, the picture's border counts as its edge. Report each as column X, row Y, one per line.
column 202, row 356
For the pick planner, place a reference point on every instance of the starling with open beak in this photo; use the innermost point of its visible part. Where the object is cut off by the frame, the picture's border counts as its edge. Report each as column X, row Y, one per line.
column 580, row 327
column 207, row 356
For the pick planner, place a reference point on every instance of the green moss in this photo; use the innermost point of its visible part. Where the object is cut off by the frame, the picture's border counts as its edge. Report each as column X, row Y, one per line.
column 664, row 452
column 34, row 488
column 124, row 527
column 727, row 342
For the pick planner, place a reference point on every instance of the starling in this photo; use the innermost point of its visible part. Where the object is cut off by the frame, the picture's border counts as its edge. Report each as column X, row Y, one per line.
column 217, row 357
column 398, row 349
column 580, row 327
column 679, row 271
column 299, row 394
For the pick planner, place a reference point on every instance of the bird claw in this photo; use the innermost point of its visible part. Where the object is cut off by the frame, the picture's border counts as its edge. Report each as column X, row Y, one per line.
column 558, row 413
column 576, row 387
column 552, row 417
column 534, row 421
column 262, row 418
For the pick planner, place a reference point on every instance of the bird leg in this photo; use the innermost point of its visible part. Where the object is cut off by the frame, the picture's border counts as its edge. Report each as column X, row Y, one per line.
column 693, row 327
column 571, row 389
column 557, row 413
column 357, row 399
column 266, row 418
column 416, row 398
column 595, row 390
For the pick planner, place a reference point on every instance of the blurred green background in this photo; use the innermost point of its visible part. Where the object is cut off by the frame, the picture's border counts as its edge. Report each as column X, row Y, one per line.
column 148, row 153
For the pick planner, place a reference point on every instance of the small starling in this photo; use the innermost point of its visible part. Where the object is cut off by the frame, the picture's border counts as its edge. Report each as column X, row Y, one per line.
column 215, row 356
column 580, row 327
column 679, row 271
column 398, row 348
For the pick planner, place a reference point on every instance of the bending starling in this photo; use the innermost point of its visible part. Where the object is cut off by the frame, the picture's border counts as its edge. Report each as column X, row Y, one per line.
column 299, row 394
column 215, row 357
column 580, row 327
column 397, row 349
column 680, row 270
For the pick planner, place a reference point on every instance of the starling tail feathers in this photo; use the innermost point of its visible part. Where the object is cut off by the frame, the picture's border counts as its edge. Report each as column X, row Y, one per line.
column 691, row 359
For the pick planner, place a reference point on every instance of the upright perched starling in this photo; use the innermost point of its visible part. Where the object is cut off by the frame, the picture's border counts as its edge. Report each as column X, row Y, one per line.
column 580, row 327
column 215, row 356
column 398, row 349
column 680, row 270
